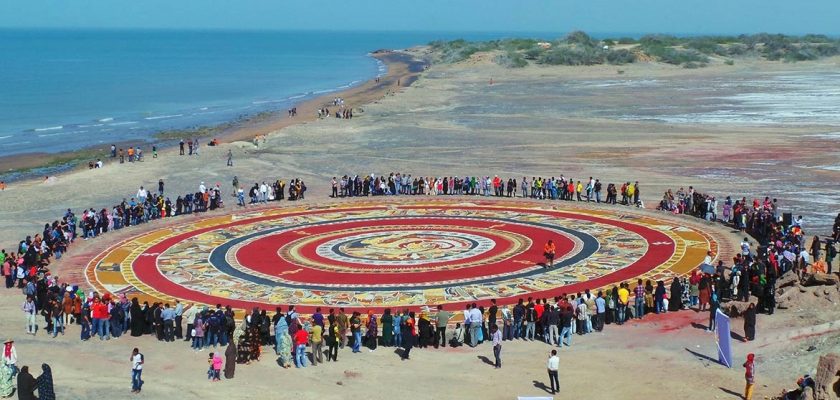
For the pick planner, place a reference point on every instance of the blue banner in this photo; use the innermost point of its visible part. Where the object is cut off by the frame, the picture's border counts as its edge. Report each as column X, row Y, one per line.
column 723, row 339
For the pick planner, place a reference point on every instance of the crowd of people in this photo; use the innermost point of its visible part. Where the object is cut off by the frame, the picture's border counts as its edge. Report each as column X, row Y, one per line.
column 273, row 191
column 763, row 221
column 536, row 187
column 57, row 307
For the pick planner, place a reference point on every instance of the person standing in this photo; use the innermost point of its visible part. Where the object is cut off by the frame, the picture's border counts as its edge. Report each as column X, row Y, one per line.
column 749, row 375
column 714, row 303
column 441, row 320
column 496, row 334
column 26, row 384
column 356, row 330
column 409, row 335
column 137, row 362
column 181, row 147
column 316, row 339
column 10, row 356
column 332, row 343
column 475, row 325
column 179, row 313
column 229, row 158
column 301, row 339
column 749, row 323
column 553, row 365
column 29, row 311
column 343, row 323
column 168, row 317
column 830, row 254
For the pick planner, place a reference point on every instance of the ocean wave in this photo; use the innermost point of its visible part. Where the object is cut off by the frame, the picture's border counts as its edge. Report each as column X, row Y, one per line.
column 164, row 117
column 91, row 126
column 296, row 97
column 107, row 119
column 122, row 123
column 60, row 133
column 5, row 137
column 51, row 128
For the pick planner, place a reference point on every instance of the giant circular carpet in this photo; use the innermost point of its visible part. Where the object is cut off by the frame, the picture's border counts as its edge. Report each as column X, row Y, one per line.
column 375, row 255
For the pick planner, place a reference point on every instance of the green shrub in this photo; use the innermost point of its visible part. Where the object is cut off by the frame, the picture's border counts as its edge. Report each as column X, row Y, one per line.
column 511, row 59
column 626, row 40
column 729, row 62
column 620, row 57
column 580, row 38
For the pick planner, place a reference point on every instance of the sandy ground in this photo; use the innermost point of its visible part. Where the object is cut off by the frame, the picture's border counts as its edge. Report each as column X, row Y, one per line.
column 451, row 121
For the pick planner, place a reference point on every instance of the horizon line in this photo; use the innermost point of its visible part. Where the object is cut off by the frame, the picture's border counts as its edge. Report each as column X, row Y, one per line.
column 503, row 32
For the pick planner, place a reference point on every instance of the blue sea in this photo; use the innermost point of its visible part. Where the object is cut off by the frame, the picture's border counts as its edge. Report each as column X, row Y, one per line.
column 63, row 90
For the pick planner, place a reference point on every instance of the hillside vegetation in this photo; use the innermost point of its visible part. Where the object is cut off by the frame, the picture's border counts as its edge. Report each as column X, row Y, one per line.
column 578, row 48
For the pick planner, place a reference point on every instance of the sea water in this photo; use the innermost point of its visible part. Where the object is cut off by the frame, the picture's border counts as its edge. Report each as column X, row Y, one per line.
column 62, row 90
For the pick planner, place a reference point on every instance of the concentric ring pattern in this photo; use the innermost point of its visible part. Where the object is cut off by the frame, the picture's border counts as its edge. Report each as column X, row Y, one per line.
column 371, row 256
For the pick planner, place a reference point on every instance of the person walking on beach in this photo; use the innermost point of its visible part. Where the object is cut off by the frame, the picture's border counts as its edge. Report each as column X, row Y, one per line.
column 553, row 365
column 195, row 146
column 749, row 375
column 230, row 158
column 137, row 362
column 181, row 147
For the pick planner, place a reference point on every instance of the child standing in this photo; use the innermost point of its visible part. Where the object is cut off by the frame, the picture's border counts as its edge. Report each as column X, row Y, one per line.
column 749, row 375
column 215, row 362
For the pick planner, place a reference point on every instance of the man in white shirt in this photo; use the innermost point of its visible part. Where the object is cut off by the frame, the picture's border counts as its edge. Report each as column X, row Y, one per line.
column 553, row 365
column 141, row 195
column 202, row 188
column 475, row 325
column 264, row 193
column 136, row 370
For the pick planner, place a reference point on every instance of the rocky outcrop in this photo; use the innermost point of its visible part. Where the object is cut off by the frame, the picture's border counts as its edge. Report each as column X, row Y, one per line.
column 827, row 381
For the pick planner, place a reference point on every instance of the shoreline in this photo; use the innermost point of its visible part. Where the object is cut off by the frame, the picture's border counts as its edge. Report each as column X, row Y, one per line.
column 401, row 65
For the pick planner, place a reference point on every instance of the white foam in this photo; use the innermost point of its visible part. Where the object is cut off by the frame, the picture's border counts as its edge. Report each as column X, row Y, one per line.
column 830, row 135
column 164, row 117
column 51, row 128
column 108, row 119
column 122, row 123
column 5, row 137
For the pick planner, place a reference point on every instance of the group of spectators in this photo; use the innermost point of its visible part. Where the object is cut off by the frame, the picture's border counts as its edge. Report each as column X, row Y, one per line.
column 536, row 187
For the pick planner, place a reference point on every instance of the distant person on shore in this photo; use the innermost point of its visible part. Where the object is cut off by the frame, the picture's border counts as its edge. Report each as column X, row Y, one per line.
column 229, row 158
column 2, row 185
column 122, row 156
column 195, row 146
column 154, row 151
column 190, row 146
column 113, row 151
column 181, row 147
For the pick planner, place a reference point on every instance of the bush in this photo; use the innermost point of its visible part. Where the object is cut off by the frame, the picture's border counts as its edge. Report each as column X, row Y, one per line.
column 626, row 40
column 705, row 46
column 620, row 57
column 580, row 38
column 511, row 59
column 572, row 55
column 729, row 62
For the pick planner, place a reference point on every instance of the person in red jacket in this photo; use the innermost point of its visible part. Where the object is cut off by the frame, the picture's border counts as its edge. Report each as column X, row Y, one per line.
column 301, row 339
column 749, row 375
